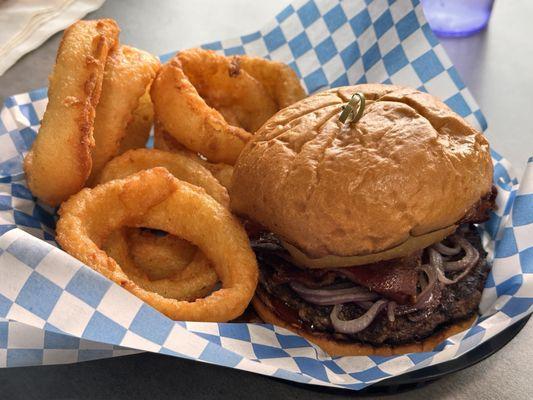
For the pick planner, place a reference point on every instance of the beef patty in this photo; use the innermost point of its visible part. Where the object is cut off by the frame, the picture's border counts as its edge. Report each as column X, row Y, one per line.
column 457, row 301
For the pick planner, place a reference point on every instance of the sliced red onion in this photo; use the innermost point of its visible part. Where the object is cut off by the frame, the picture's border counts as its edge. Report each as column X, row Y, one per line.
column 446, row 250
column 330, row 297
column 431, row 273
column 364, row 304
column 435, row 259
column 447, row 281
column 325, row 290
column 355, row 325
column 428, row 302
column 470, row 258
column 391, row 309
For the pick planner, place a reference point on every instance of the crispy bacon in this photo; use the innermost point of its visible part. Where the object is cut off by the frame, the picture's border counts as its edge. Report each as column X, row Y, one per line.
column 396, row 279
column 311, row 278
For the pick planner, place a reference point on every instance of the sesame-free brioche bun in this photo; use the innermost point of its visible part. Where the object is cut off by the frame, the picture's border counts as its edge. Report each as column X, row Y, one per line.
column 408, row 167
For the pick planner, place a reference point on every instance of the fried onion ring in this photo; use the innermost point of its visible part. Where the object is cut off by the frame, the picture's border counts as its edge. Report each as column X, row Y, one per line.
column 59, row 161
column 160, row 256
column 182, row 167
column 138, row 129
column 219, row 80
column 211, row 104
column 194, row 279
column 222, row 172
column 279, row 79
column 156, row 200
column 163, row 141
column 128, row 73
column 155, row 251
column 91, row 215
column 182, row 111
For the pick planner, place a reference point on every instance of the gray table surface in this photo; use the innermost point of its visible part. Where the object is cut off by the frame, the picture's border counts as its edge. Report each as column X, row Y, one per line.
column 495, row 64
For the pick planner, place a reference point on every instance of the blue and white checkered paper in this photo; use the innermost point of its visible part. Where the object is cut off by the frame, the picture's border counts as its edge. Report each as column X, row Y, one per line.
column 56, row 310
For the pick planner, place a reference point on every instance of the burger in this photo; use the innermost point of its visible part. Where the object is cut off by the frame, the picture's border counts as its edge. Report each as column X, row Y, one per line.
column 364, row 229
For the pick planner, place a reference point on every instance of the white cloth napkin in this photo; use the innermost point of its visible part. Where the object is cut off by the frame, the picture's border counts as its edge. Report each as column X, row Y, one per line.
column 26, row 24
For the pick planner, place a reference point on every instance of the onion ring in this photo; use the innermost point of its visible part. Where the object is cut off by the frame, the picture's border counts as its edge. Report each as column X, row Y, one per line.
column 83, row 226
column 128, row 73
column 164, row 141
column 194, row 280
column 211, row 105
column 279, row 79
column 197, row 280
column 59, row 161
column 242, row 100
column 155, row 199
column 160, row 256
column 197, row 126
column 182, row 167
column 138, row 129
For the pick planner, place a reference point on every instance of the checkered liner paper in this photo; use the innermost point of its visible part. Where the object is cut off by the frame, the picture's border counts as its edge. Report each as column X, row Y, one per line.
column 56, row 310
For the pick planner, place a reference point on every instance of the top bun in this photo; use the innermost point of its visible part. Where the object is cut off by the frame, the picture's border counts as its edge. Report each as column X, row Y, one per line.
column 408, row 167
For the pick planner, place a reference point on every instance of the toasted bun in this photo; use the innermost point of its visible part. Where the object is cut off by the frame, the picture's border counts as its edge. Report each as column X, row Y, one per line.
column 409, row 166
column 337, row 348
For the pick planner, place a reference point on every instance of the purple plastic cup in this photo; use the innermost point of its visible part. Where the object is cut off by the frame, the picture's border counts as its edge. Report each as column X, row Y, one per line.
column 457, row 17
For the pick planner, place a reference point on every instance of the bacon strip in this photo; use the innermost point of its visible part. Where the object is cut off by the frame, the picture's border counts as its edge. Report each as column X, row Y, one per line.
column 395, row 279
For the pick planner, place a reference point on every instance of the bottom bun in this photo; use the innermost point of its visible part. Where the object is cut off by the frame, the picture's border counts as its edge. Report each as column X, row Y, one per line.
column 338, row 348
